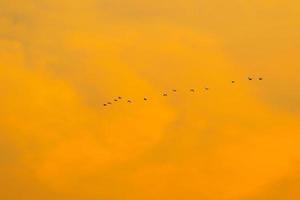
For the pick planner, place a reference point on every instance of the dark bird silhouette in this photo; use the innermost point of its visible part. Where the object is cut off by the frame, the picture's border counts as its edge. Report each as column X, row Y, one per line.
column 174, row 90
column 145, row 99
column 119, row 97
column 206, row 88
column 192, row 90
column 260, row 79
column 250, row 79
column 232, row 81
column 105, row 104
column 109, row 103
column 129, row 101
column 165, row 94
column 115, row 99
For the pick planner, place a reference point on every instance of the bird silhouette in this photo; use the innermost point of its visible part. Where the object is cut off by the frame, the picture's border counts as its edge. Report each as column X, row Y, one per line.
column 173, row 90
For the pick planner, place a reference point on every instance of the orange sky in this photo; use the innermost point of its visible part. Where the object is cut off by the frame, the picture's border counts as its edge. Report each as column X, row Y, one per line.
column 61, row 60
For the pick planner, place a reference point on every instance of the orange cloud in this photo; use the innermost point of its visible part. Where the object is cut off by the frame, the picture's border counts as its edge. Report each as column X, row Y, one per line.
column 60, row 61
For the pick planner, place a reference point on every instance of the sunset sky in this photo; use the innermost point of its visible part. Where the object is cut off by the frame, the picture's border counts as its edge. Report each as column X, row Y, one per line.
column 61, row 60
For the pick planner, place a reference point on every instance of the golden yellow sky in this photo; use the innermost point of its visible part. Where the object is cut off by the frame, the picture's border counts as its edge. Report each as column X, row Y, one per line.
column 61, row 60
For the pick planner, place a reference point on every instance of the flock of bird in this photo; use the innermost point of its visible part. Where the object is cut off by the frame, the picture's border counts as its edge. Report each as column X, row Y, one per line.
column 166, row 94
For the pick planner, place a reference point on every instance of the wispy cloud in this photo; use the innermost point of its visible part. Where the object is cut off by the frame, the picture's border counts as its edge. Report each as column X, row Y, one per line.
column 60, row 61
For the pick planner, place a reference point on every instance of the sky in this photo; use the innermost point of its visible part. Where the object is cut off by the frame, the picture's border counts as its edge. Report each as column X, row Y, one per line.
column 61, row 60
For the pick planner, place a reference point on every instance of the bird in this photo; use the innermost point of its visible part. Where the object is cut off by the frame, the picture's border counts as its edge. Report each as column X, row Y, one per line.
column 119, row 97
column 260, row 78
column 192, row 90
column 206, row 88
column 129, row 101
column 145, row 99
column 115, row 99
column 250, row 79
column 105, row 104
column 232, row 81
column 108, row 102
column 174, row 90
column 165, row 94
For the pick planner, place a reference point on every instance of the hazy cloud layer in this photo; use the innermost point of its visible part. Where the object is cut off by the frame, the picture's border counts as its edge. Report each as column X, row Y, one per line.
column 60, row 61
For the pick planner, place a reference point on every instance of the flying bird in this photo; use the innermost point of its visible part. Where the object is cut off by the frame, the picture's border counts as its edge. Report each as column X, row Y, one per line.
column 166, row 93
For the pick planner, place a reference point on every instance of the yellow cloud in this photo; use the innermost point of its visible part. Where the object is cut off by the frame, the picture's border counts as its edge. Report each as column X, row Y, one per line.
column 60, row 61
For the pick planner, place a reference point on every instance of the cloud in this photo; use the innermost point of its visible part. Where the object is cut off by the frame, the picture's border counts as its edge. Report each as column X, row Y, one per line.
column 60, row 61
